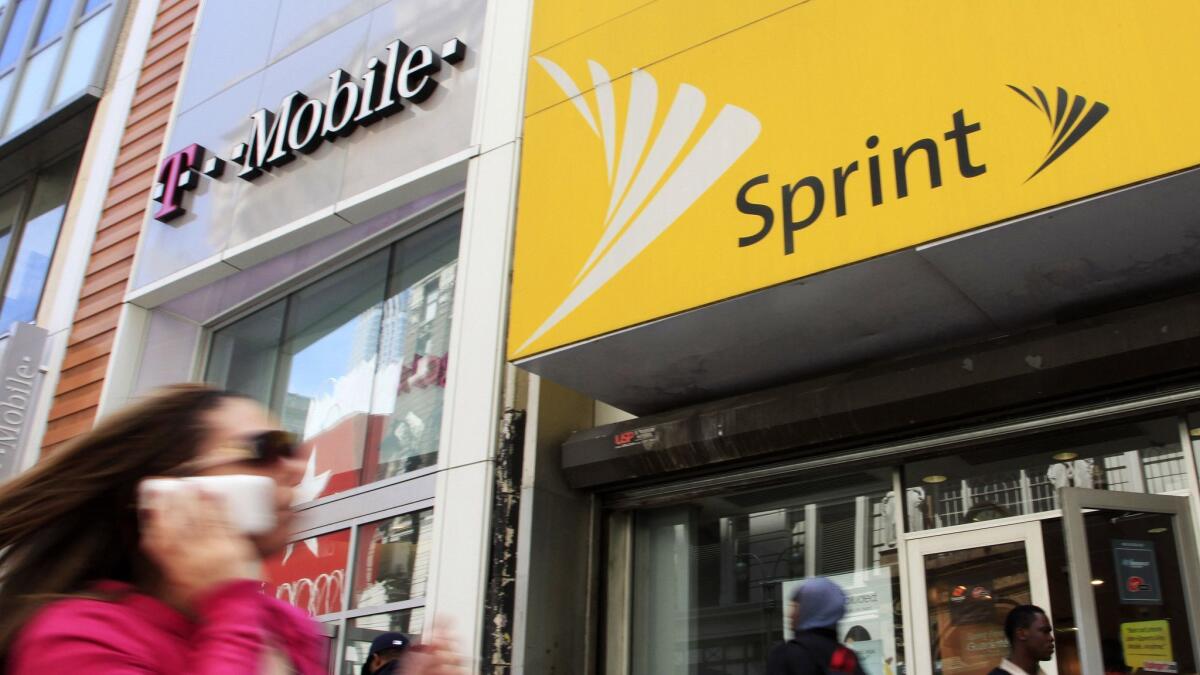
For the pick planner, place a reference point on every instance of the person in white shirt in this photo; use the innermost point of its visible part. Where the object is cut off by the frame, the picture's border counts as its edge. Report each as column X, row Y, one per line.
column 1031, row 641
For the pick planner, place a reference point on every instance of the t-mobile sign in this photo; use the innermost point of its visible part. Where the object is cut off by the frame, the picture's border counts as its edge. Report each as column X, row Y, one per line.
column 299, row 125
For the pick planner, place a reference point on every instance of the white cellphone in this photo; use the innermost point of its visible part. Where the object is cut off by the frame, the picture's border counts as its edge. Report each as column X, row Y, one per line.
column 249, row 500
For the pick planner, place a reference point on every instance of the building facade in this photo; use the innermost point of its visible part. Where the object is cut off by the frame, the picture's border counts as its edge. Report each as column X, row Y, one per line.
column 607, row 324
column 899, row 295
column 306, row 205
column 65, row 86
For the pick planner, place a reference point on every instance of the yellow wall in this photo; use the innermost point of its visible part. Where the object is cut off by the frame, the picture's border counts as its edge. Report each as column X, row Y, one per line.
column 792, row 91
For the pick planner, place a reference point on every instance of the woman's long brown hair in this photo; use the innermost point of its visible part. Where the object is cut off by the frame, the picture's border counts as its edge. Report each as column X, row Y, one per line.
column 72, row 519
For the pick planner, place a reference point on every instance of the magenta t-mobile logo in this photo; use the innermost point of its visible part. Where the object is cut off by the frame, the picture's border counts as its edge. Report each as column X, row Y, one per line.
column 177, row 173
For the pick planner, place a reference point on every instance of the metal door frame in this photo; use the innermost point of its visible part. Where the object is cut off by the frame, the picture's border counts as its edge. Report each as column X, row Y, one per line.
column 1079, row 564
column 1028, row 533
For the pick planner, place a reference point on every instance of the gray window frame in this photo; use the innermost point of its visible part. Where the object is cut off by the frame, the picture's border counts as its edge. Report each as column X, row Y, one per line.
column 76, row 17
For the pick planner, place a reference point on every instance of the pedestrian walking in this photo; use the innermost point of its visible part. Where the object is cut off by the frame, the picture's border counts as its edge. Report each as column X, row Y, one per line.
column 91, row 581
column 385, row 654
column 1030, row 639
column 817, row 606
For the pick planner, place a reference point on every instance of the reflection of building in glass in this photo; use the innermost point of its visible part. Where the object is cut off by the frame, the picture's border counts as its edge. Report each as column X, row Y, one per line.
column 417, row 320
column 1025, row 485
column 366, row 335
column 714, row 580
column 414, row 347
column 25, row 289
column 295, row 412
column 1006, row 479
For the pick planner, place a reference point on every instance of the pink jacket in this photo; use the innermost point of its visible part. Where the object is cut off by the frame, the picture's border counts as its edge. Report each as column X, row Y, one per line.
column 138, row 634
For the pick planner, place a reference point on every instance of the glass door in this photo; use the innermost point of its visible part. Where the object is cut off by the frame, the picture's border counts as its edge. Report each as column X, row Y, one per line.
column 964, row 583
column 1134, row 577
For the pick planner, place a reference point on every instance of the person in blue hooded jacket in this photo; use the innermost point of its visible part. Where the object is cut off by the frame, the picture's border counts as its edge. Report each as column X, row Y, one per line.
column 818, row 605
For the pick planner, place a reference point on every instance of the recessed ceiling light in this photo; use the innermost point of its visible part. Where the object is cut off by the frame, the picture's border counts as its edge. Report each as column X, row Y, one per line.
column 1065, row 456
column 1097, row 582
column 934, row 479
column 1157, row 530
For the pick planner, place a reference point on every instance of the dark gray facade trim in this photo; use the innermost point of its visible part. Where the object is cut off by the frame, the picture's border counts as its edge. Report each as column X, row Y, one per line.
column 1138, row 354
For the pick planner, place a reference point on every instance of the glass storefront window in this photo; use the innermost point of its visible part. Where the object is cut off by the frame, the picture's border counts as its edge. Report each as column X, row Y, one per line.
column 392, row 562
column 43, row 220
column 355, row 364
column 327, row 367
column 712, row 579
column 1022, row 478
column 311, row 573
column 414, row 336
column 247, row 353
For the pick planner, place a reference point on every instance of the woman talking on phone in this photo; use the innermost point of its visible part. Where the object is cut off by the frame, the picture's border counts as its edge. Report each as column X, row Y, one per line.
column 94, row 580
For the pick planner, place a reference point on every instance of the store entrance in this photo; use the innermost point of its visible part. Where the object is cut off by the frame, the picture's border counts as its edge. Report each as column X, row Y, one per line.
column 963, row 584
column 1133, row 581
column 1117, row 574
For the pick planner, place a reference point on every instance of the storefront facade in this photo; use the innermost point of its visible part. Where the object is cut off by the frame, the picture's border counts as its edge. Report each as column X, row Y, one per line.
column 900, row 296
column 323, row 230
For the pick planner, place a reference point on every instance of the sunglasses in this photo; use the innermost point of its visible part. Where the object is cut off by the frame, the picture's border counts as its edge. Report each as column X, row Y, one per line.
column 267, row 447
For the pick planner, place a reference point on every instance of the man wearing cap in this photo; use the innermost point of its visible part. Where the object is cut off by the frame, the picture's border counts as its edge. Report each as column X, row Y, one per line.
column 817, row 606
column 386, row 652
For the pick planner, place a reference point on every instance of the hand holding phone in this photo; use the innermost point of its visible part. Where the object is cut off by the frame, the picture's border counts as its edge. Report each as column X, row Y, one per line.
column 249, row 501
column 187, row 533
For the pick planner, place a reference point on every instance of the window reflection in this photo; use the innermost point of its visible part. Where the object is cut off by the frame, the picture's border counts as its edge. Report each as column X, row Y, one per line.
column 393, row 559
column 1004, row 480
column 85, row 50
column 311, row 574
column 414, row 353
column 36, row 81
column 327, row 365
column 356, row 363
column 713, row 578
column 39, row 236
column 10, row 211
column 54, row 21
column 244, row 356
column 14, row 41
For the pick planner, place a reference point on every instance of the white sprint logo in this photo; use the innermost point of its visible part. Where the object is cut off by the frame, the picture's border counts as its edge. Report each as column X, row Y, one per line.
column 632, row 185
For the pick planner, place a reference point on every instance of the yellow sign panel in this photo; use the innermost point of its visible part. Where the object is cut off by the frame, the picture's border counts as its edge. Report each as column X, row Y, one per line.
column 1147, row 644
column 678, row 153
